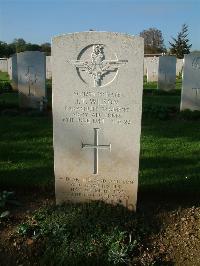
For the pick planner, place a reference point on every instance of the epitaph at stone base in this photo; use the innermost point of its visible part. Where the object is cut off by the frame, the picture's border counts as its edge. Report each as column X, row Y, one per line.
column 97, row 104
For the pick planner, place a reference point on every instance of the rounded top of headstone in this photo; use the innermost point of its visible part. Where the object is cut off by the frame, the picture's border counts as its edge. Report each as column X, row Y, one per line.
column 93, row 32
column 31, row 52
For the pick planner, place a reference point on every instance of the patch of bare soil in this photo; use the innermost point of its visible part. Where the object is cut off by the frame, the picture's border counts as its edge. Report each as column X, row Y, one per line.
column 179, row 240
column 14, row 251
column 173, row 237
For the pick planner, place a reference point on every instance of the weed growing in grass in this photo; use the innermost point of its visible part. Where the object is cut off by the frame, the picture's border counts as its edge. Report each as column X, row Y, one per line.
column 85, row 234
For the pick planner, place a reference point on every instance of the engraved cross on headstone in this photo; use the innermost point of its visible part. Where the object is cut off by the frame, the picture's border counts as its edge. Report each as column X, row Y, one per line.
column 96, row 146
column 98, row 66
column 31, row 78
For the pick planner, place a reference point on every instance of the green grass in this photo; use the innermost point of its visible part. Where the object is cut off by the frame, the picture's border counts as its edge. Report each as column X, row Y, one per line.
column 170, row 157
column 26, row 153
column 162, row 100
column 97, row 233
column 4, row 76
column 89, row 234
column 9, row 100
column 153, row 84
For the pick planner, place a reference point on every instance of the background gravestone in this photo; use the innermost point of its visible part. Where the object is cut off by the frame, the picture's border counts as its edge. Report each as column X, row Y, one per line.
column 167, row 73
column 190, row 96
column 31, row 68
column 145, row 66
column 12, row 71
column 97, row 106
column 179, row 66
column 152, row 68
column 3, row 64
column 48, row 67
column 10, row 67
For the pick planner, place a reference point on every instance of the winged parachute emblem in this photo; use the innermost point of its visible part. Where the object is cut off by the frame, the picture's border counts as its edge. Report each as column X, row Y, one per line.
column 97, row 66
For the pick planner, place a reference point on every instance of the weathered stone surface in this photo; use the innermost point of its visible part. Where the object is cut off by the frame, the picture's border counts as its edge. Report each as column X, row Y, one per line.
column 3, row 64
column 145, row 66
column 10, row 67
column 152, row 68
column 12, row 70
column 167, row 73
column 31, row 79
column 179, row 66
column 48, row 67
column 190, row 97
column 97, row 106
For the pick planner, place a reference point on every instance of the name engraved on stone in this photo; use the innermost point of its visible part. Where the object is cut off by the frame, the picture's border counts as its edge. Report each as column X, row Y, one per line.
column 97, row 66
column 97, row 107
column 31, row 78
column 96, row 146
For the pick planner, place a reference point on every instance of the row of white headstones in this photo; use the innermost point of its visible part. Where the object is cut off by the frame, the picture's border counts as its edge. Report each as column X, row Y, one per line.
column 97, row 85
column 150, row 67
column 6, row 65
column 161, row 69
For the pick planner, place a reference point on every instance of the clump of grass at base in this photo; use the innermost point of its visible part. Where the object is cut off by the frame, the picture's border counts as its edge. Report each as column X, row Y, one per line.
column 85, row 234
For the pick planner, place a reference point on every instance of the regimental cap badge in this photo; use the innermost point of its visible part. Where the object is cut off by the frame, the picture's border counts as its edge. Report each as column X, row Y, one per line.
column 93, row 65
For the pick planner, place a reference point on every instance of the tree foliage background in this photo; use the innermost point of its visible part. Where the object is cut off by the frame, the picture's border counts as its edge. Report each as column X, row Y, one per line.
column 20, row 45
column 180, row 44
column 153, row 41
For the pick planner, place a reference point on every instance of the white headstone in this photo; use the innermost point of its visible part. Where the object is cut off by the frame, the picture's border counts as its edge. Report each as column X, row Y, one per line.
column 97, row 106
column 167, row 73
column 190, row 97
column 145, row 66
column 179, row 66
column 31, row 79
column 48, row 67
column 3, row 65
column 10, row 67
column 12, row 70
column 152, row 68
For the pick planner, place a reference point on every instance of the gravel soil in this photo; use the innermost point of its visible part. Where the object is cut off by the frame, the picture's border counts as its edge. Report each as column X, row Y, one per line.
column 173, row 237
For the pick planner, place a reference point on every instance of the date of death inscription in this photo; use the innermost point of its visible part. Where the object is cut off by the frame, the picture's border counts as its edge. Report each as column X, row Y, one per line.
column 89, row 107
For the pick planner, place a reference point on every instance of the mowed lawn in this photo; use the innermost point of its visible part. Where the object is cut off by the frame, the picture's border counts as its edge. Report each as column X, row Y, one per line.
column 4, row 76
column 169, row 161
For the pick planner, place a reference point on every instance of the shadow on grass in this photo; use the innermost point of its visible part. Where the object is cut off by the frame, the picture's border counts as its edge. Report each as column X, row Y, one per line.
column 90, row 234
column 171, row 129
column 170, row 178
column 37, row 177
